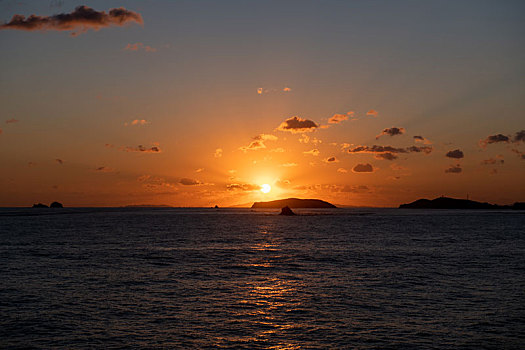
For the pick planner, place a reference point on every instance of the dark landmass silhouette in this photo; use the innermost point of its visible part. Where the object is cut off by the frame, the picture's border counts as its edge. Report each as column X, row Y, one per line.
column 454, row 203
column 56, row 205
column 286, row 211
column 294, row 203
column 40, row 205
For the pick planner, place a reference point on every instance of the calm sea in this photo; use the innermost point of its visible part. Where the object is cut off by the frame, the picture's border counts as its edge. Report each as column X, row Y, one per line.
column 239, row 278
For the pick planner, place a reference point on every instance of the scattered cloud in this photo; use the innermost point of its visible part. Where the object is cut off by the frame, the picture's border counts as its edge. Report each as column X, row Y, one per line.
column 142, row 149
column 314, row 152
column 331, row 160
column 189, row 182
column 154, row 183
column 59, row 161
column 338, row 118
column 287, row 89
column 390, row 149
column 397, row 167
column 454, row 169
column 494, row 139
column 218, row 153
column 342, row 170
column 104, row 169
column 391, row 132
column 386, row 156
column 372, row 113
column 109, row 145
column 422, row 140
column 137, row 122
column 260, row 91
column 296, row 125
column 139, row 46
column 363, row 168
column 288, row 165
column 258, row 142
column 457, row 154
column 519, row 153
column 12, row 120
column 81, row 19
column 277, row 150
column 304, row 138
column 243, row 187
column 355, row 189
column 520, row 136
column 200, row 170
column 493, row 161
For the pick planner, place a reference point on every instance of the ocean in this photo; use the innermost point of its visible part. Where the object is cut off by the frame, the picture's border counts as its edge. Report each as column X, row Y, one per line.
column 163, row 278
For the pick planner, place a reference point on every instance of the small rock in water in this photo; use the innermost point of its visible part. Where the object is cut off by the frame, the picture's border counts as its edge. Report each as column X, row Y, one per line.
column 56, row 205
column 286, row 211
column 40, row 205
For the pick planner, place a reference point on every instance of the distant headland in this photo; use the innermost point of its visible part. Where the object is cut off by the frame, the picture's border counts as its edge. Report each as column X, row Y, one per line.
column 52, row 205
column 294, row 203
column 454, row 203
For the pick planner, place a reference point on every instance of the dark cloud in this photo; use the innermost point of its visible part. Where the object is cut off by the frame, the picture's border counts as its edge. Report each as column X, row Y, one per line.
column 363, row 168
column 494, row 139
column 142, row 149
column 520, row 136
column 419, row 138
column 82, row 19
column 386, row 156
column 243, row 187
column 59, row 161
column 189, row 182
column 104, row 169
column 457, row 154
column 331, row 159
column 296, row 125
column 454, row 169
column 391, row 132
column 390, row 149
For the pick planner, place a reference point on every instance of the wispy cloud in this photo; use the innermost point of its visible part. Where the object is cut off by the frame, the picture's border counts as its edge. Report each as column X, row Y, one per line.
column 243, row 187
column 342, row 170
column 189, row 182
column 419, row 138
column 372, row 113
column 137, row 122
column 82, row 19
column 314, row 152
column 289, row 165
column 139, row 47
column 297, row 125
column 218, row 153
column 454, row 169
column 104, row 169
column 390, row 149
column 142, row 149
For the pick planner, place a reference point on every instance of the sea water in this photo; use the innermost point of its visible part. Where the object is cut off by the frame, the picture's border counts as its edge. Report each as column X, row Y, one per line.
column 248, row 279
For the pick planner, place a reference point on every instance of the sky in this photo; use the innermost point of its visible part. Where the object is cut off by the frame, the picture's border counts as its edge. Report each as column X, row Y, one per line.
column 200, row 103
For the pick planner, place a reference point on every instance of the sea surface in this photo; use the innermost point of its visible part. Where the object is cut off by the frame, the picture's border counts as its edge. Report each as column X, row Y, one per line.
column 79, row 278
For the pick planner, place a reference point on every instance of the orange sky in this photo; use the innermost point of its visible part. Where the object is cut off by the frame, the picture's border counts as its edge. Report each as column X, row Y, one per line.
column 188, row 105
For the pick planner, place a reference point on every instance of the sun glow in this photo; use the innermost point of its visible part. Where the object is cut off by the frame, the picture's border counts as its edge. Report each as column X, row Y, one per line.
column 265, row 188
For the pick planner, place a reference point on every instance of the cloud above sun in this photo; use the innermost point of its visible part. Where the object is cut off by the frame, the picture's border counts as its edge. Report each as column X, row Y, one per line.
column 81, row 19
column 297, row 125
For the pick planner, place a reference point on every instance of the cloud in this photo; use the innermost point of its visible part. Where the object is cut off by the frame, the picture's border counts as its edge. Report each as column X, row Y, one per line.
column 390, row 149
column 12, row 120
column 189, row 182
column 260, row 91
column 520, row 136
column 422, row 139
column 109, row 145
column 258, row 142
column 494, row 139
column 493, row 161
column 355, row 189
column 314, row 152
column 200, row 170
column 218, row 153
column 331, row 160
column 142, row 149
column 139, row 46
column 137, row 122
column 391, row 132
column 243, row 187
column 519, row 153
column 59, row 161
column 277, row 150
column 386, row 156
column 342, row 170
column 372, row 113
column 104, row 169
column 154, row 183
column 337, row 118
column 363, row 168
column 82, row 19
column 457, row 154
column 397, row 167
column 288, row 165
column 454, row 169
column 296, row 125
column 287, row 89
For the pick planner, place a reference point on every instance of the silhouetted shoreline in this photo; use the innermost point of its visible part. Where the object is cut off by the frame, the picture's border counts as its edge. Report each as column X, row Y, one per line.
column 294, row 203
column 454, row 203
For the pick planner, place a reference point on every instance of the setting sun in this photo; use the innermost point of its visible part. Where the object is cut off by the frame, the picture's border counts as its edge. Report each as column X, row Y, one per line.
column 266, row 188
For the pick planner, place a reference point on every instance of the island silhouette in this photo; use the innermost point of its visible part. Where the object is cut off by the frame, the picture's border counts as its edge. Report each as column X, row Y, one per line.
column 455, row 203
column 294, row 203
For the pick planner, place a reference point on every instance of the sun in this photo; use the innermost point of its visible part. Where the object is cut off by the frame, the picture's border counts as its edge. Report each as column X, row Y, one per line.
column 266, row 188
